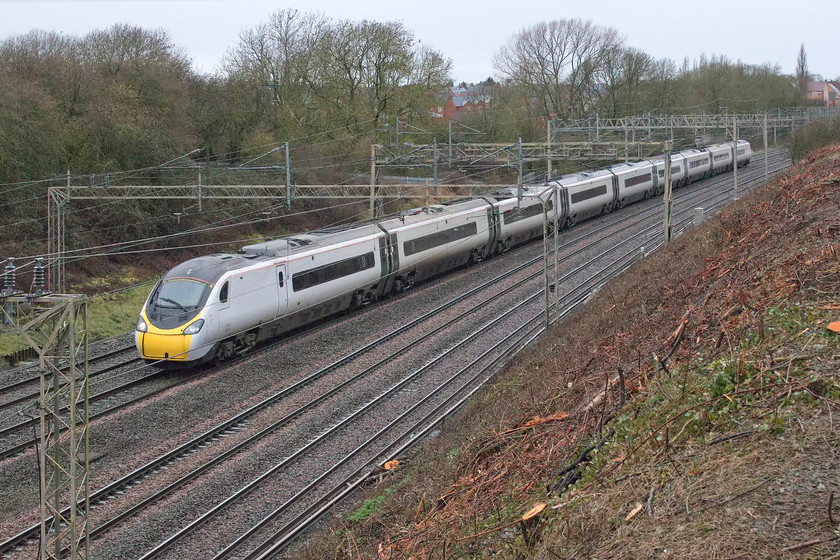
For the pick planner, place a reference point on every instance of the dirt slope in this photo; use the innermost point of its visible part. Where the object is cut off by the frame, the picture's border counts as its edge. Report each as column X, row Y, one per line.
column 716, row 437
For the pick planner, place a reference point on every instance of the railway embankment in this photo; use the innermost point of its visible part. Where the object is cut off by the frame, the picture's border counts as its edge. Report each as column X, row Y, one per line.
column 690, row 410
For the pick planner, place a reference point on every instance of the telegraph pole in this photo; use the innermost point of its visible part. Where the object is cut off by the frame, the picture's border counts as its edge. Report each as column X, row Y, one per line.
column 766, row 164
column 735, row 153
column 450, row 143
column 519, row 189
column 288, row 180
column 372, row 179
column 669, row 198
column 548, row 150
column 435, row 174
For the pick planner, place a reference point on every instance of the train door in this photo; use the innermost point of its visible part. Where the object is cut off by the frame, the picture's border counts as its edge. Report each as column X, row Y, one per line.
column 224, row 309
column 562, row 212
column 282, row 294
column 616, row 201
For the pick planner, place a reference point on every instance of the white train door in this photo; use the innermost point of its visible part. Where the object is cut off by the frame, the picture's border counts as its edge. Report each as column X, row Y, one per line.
column 282, row 295
column 224, row 309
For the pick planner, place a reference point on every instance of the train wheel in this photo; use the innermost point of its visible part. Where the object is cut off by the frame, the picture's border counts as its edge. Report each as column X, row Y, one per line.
column 224, row 352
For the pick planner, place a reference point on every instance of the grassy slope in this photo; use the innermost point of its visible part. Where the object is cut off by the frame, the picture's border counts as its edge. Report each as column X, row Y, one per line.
column 726, row 449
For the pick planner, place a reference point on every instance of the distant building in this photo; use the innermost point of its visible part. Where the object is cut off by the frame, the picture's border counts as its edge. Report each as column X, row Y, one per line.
column 463, row 99
column 824, row 93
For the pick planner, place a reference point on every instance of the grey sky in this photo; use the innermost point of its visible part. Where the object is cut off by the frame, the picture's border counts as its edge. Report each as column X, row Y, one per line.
column 470, row 32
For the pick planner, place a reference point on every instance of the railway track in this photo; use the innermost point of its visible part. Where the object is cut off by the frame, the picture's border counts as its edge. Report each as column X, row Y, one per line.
column 239, row 423
column 286, row 532
column 25, row 391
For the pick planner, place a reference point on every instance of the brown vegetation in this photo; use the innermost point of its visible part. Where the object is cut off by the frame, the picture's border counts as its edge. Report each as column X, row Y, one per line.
column 701, row 390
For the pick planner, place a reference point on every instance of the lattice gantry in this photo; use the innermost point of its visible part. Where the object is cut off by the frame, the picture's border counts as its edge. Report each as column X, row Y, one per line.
column 56, row 327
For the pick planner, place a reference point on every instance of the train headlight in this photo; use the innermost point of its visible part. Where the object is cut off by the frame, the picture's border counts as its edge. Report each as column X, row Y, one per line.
column 195, row 327
column 141, row 325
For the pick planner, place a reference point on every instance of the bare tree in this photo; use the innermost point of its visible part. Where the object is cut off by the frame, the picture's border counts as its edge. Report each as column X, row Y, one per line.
column 617, row 83
column 802, row 75
column 556, row 62
column 321, row 73
column 279, row 61
column 125, row 48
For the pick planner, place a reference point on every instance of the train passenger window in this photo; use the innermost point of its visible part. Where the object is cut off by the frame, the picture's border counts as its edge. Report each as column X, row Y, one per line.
column 280, row 278
column 223, row 293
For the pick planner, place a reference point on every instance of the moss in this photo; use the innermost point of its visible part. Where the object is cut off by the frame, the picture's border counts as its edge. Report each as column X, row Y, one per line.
column 370, row 507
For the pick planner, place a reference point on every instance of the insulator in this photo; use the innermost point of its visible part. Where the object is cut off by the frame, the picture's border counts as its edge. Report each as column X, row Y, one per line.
column 9, row 278
column 38, row 282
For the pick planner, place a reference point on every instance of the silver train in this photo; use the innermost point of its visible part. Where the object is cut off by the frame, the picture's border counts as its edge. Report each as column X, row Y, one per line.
column 214, row 307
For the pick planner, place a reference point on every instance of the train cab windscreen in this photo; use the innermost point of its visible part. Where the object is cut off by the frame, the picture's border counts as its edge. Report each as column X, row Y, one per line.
column 177, row 298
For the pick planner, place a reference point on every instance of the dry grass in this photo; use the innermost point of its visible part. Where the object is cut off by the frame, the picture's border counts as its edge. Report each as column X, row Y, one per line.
column 736, row 315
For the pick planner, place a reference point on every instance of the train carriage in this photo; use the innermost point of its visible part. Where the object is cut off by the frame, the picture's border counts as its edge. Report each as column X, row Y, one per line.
column 698, row 164
column 744, row 153
column 180, row 321
column 721, row 155
column 587, row 195
column 678, row 172
column 635, row 181
column 437, row 239
column 520, row 220
column 327, row 271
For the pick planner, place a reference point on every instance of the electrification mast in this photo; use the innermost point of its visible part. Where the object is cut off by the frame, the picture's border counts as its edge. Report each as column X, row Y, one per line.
column 55, row 325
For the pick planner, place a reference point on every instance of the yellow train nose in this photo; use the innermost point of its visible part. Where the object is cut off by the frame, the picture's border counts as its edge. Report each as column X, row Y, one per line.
column 157, row 346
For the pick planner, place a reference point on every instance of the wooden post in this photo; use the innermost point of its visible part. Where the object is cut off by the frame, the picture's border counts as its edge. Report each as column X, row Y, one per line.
column 450, row 143
column 766, row 165
column 545, row 261
column 435, row 156
column 556, row 252
column 548, row 151
column 668, row 193
column 735, row 163
column 288, row 180
column 372, row 179
column 626, row 146
column 519, row 187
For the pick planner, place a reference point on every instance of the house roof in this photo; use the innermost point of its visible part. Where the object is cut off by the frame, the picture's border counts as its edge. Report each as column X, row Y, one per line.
column 816, row 86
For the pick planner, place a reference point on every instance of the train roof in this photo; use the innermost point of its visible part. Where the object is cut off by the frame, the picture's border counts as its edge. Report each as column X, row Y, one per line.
column 302, row 242
column 629, row 166
column 508, row 193
column 207, row 268
column 573, row 178
column 418, row 215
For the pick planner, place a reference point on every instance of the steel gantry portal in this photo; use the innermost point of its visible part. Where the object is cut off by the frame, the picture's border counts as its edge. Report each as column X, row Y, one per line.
column 55, row 325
